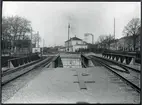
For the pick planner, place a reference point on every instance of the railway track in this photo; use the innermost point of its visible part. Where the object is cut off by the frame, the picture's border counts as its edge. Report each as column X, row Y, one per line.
column 13, row 74
column 46, row 63
column 118, row 63
column 128, row 75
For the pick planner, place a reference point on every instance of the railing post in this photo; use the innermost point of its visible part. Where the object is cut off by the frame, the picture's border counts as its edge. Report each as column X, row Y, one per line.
column 8, row 64
column 124, row 61
column 119, row 59
column 132, row 61
column 115, row 58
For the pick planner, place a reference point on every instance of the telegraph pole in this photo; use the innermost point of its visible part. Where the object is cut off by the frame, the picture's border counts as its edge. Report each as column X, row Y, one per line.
column 31, row 38
column 114, row 35
column 38, row 38
column 68, row 36
column 43, row 47
column 114, row 28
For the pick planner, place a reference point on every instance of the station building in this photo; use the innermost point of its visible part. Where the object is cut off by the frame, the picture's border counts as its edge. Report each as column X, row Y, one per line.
column 74, row 44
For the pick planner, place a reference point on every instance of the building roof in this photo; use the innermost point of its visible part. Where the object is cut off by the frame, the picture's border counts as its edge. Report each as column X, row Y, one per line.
column 126, row 37
column 62, row 47
column 73, row 38
column 80, row 45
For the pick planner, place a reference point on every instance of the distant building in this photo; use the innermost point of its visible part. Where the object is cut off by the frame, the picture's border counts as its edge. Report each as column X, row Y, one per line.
column 125, row 44
column 138, row 43
column 114, row 45
column 59, row 48
column 88, row 37
column 62, row 49
column 74, row 44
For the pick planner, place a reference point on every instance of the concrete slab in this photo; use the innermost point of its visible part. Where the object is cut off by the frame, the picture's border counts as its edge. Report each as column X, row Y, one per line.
column 71, row 63
column 56, row 85
column 71, row 60
column 80, row 80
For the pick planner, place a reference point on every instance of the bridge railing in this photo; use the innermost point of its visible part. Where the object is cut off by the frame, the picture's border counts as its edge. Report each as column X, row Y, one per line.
column 56, row 62
column 22, row 60
column 122, row 58
column 86, row 61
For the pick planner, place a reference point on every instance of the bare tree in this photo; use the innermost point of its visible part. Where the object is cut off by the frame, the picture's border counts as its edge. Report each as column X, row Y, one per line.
column 105, row 41
column 131, row 29
column 108, row 40
column 6, row 36
column 101, row 40
column 15, row 28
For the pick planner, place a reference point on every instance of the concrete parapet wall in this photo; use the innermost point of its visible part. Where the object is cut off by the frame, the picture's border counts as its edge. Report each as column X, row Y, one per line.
column 21, row 61
column 56, row 62
column 86, row 61
column 13, row 73
column 90, row 64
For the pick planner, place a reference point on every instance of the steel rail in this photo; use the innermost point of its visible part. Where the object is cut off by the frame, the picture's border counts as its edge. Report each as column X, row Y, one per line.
column 35, row 67
column 121, row 77
column 117, row 63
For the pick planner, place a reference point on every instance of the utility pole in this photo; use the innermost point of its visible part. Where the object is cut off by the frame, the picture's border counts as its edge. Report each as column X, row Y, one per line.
column 38, row 38
column 114, row 28
column 43, row 47
column 31, row 38
column 68, row 36
column 114, row 35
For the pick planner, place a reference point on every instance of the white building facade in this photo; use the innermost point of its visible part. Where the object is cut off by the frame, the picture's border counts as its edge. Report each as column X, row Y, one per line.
column 75, row 44
column 125, row 44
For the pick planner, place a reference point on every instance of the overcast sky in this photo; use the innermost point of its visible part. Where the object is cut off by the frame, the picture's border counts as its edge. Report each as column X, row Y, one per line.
column 51, row 18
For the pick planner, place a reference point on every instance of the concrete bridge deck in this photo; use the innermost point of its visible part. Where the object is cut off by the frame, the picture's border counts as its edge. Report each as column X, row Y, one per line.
column 59, row 85
column 71, row 85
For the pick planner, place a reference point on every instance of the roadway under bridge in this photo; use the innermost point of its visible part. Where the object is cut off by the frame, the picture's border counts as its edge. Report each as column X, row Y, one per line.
column 72, row 78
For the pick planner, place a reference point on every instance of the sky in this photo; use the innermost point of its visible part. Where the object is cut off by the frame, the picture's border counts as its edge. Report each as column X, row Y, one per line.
column 51, row 18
